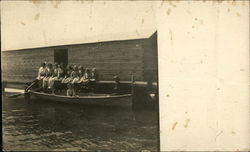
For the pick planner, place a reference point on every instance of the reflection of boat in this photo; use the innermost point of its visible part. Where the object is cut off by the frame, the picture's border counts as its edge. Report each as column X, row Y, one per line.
column 124, row 100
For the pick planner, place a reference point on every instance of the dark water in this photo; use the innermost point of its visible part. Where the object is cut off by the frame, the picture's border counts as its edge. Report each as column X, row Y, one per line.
column 37, row 125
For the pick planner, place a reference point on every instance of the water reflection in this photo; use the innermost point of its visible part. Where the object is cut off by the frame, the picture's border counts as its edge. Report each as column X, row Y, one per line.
column 38, row 125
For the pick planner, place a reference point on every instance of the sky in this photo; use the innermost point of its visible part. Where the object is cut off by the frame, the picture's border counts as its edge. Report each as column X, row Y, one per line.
column 30, row 24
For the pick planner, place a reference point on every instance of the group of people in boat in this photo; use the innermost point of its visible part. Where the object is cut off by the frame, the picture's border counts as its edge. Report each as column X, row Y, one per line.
column 72, row 78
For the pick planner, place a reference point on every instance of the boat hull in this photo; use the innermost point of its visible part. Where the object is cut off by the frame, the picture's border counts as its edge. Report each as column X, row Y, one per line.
column 107, row 100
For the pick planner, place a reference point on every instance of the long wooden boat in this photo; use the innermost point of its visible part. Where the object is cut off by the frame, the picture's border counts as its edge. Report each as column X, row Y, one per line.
column 124, row 100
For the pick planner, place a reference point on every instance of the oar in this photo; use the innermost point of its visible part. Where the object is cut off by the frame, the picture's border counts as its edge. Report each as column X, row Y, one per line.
column 17, row 95
column 30, row 86
column 26, row 91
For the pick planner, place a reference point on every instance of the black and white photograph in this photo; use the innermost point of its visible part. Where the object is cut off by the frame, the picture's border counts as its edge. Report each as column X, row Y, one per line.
column 79, row 76
column 125, row 75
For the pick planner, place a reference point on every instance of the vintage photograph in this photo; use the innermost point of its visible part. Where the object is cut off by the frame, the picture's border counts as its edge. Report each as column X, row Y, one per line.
column 79, row 76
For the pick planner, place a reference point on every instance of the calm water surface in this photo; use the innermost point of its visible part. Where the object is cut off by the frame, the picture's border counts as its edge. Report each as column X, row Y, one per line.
column 39, row 125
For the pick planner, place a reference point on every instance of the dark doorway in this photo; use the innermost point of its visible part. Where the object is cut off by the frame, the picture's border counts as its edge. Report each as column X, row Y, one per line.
column 61, row 55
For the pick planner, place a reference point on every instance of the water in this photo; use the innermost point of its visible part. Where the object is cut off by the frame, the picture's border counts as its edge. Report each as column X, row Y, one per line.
column 38, row 125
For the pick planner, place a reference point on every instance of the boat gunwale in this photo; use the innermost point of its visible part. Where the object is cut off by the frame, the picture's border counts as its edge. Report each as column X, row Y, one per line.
column 83, row 97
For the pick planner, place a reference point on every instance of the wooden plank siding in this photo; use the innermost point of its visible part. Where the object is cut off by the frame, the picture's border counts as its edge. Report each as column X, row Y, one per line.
column 110, row 58
column 22, row 66
column 150, row 59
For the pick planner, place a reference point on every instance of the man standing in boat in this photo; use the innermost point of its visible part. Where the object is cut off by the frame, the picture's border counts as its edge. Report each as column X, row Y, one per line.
column 116, row 88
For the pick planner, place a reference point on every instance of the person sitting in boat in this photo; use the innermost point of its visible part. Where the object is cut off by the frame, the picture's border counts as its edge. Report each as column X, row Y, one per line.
column 66, row 78
column 41, row 71
column 48, row 74
column 37, row 83
column 41, row 74
column 80, row 71
column 93, row 75
column 55, row 77
column 93, row 79
column 74, row 75
column 78, row 80
column 63, row 68
column 85, row 79
column 71, row 91
column 61, row 74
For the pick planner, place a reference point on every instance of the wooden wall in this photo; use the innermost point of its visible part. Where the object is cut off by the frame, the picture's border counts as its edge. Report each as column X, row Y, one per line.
column 150, row 59
column 110, row 58
column 22, row 66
